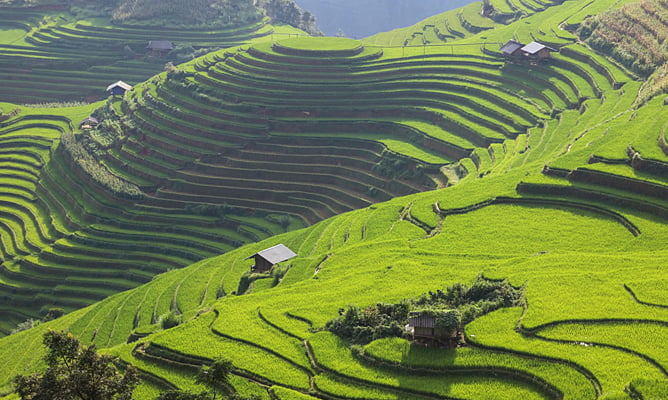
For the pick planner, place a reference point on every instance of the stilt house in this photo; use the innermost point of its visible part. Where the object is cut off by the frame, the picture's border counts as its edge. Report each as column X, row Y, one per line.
column 425, row 329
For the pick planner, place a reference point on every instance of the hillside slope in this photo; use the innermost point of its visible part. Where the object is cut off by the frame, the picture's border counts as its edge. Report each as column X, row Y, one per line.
column 562, row 189
column 57, row 54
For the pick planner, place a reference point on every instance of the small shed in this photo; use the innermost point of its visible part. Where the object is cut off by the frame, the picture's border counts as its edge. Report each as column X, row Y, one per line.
column 512, row 49
column 424, row 329
column 89, row 123
column 119, row 88
column 267, row 258
column 159, row 48
column 537, row 51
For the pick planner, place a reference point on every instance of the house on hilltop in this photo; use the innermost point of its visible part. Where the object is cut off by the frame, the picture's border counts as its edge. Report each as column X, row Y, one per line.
column 159, row 48
column 119, row 88
column 267, row 258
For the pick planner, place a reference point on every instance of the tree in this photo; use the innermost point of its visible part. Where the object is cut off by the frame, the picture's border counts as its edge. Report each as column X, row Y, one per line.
column 75, row 371
column 179, row 395
column 216, row 374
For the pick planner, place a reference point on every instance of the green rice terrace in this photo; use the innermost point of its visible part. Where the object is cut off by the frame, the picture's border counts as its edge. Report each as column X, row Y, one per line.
column 400, row 169
column 49, row 55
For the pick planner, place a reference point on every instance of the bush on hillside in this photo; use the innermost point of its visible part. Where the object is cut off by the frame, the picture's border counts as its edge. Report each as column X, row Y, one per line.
column 170, row 320
column 98, row 172
column 377, row 321
column 453, row 307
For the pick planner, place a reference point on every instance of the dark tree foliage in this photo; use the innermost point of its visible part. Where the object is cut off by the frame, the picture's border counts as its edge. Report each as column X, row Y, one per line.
column 455, row 306
column 362, row 325
column 75, row 371
column 179, row 395
column 215, row 375
column 288, row 12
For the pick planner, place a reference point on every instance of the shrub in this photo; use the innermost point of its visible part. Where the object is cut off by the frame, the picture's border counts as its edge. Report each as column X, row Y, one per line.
column 25, row 325
column 373, row 322
column 98, row 172
column 53, row 313
column 170, row 320
column 458, row 305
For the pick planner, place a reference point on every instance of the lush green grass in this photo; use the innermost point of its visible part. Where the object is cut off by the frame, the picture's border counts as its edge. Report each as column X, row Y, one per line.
column 570, row 382
column 320, row 44
column 582, row 330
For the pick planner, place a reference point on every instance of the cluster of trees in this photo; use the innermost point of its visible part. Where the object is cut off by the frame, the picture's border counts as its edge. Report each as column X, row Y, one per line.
column 455, row 306
column 77, row 372
column 288, row 12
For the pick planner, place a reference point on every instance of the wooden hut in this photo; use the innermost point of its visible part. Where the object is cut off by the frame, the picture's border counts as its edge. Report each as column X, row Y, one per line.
column 512, row 49
column 159, row 48
column 89, row 123
column 424, row 329
column 267, row 258
column 536, row 51
column 119, row 88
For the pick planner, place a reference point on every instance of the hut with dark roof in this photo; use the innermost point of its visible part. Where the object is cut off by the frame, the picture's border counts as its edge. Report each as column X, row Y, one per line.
column 89, row 123
column 512, row 49
column 119, row 88
column 267, row 258
column 159, row 48
column 424, row 328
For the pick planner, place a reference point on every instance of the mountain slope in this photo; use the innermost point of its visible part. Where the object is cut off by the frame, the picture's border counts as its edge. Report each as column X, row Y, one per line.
column 572, row 207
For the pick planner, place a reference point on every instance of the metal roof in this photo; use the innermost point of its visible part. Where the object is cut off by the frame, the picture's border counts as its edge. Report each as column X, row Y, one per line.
column 276, row 254
column 535, row 47
column 511, row 46
column 120, row 84
column 90, row 120
column 160, row 45
column 421, row 320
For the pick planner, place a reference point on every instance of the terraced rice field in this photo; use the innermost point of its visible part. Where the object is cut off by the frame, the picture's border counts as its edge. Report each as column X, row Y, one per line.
column 551, row 176
column 51, row 56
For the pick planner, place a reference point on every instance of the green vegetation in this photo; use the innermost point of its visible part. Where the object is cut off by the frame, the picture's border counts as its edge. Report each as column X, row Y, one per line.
column 77, row 372
column 458, row 305
column 548, row 176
